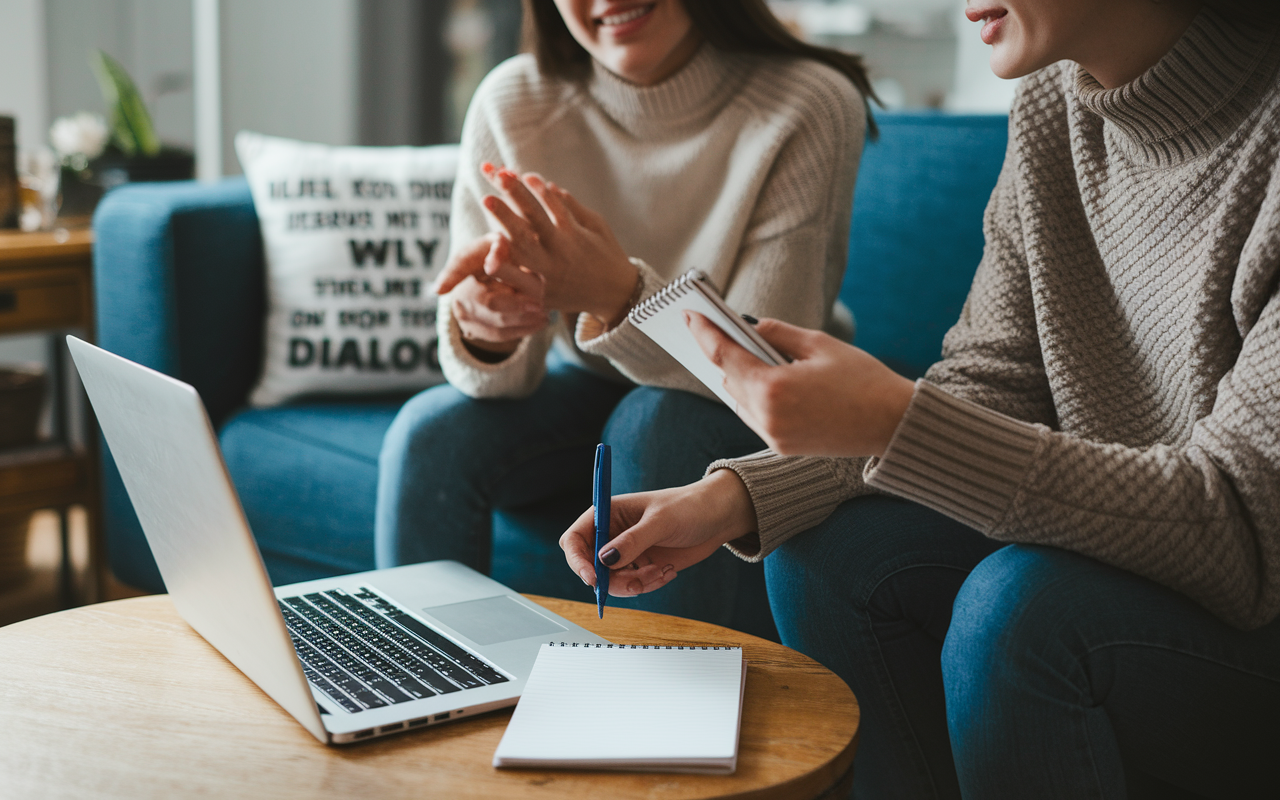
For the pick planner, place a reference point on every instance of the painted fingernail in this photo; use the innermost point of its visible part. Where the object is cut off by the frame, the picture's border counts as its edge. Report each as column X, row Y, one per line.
column 750, row 319
column 610, row 557
column 584, row 575
column 487, row 168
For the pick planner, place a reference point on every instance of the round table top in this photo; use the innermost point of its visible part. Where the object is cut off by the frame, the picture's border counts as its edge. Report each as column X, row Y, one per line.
column 123, row 699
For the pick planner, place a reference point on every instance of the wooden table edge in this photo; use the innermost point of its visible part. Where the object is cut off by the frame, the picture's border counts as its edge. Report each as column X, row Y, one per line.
column 821, row 783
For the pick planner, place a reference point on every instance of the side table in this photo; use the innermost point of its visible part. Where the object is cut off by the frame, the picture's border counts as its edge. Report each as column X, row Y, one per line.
column 46, row 286
column 124, row 700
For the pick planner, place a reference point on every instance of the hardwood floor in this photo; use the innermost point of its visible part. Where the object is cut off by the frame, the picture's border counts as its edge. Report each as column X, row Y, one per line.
column 37, row 593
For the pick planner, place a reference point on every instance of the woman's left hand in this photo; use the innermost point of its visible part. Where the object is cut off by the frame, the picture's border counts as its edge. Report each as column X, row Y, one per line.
column 569, row 246
column 833, row 399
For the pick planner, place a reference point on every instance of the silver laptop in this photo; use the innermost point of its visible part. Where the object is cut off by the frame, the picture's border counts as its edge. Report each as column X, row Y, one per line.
column 351, row 657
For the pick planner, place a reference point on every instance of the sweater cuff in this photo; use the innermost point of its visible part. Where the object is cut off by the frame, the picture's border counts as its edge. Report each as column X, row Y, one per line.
column 790, row 494
column 517, row 375
column 956, row 457
column 625, row 339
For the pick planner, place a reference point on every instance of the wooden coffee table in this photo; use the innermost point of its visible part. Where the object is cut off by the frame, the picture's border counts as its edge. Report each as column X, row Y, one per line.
column 123, row 700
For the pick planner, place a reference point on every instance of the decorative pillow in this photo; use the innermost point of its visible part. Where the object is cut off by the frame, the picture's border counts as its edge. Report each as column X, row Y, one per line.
column 353, row 237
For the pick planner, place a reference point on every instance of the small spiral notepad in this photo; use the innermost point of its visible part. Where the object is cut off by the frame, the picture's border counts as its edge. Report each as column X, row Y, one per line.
column 661, row 318
column 628, row 707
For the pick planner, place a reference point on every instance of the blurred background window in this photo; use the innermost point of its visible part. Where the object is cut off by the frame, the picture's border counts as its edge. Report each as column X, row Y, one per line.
column 392, row 72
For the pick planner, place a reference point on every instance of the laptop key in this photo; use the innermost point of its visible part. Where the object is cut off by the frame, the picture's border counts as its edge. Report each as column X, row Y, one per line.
column 348, row 652
column 474, row 665
column 437, row 662
column 340, row 678
column 402, row 658
column 449, row 658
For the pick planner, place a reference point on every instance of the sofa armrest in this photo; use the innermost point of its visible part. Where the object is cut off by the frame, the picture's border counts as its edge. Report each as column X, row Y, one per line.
column 179, row 284
column 179, row 287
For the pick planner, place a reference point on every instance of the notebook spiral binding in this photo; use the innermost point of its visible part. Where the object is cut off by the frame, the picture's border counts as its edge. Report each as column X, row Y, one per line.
column 637, row 646
column 665, row 297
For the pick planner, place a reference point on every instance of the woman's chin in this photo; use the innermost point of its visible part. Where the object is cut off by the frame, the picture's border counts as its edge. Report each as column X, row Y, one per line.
column 1008, row 65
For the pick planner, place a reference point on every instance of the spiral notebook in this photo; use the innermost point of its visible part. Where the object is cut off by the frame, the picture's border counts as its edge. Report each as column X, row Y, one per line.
column 629, row 707
column 661, row 318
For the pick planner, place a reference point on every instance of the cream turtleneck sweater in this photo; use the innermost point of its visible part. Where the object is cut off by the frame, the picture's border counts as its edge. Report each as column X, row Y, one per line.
column 1113, row 384
column 741, row 166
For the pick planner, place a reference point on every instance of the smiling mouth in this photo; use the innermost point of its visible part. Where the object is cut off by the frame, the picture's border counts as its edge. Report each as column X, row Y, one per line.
column 623, row 17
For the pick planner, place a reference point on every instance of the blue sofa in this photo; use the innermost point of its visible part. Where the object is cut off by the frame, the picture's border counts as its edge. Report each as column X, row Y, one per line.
column 179, row 286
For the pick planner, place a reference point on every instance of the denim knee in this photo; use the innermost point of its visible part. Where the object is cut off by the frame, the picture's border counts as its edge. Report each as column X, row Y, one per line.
column 1010, row 605
column 440, row 419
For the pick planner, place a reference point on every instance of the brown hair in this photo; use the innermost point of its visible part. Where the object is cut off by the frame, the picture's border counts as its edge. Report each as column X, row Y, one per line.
column 1250, row 10
column 734, row 26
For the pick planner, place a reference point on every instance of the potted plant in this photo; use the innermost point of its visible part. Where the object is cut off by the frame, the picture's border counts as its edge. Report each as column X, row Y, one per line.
column 98, row 155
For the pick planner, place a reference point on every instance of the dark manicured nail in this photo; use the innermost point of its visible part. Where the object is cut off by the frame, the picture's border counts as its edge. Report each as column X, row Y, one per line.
column 750, row 319
column 610, row 557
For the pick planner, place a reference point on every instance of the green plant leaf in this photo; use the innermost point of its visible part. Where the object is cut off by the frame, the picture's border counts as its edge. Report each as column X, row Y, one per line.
column 131, row 128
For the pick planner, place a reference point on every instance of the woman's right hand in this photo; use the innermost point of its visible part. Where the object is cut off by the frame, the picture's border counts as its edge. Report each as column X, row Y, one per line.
column 493, row 315
column 655, row 535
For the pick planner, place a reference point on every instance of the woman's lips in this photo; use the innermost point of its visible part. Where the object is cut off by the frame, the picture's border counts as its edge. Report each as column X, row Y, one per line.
column 620, row 23
column 993, row 17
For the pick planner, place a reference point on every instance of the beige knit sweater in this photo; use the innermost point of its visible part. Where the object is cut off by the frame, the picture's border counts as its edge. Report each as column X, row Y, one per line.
column 1113, row 384
column 740, row 166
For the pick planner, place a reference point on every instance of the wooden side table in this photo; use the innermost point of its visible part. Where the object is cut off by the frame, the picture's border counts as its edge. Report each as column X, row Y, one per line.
column 124, row 700
column 46, row 286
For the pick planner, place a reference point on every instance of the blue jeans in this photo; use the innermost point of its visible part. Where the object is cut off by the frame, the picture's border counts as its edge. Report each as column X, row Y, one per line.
column 990, row 671
column 448, row 461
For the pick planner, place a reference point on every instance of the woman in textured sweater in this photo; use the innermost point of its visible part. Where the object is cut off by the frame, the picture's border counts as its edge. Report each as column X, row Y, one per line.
column 698, row 135
column 1109, row 401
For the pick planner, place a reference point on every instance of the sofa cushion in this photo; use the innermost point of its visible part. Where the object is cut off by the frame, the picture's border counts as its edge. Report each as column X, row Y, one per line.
column 307, row 476
column 353, row 238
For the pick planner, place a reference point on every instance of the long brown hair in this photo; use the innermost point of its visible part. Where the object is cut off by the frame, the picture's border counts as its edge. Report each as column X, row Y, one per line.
column 734, row 26
column 1249, row 10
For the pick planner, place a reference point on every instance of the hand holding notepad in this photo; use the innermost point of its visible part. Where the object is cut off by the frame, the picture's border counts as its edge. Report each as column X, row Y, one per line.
column 661, row 318
column 691, row 712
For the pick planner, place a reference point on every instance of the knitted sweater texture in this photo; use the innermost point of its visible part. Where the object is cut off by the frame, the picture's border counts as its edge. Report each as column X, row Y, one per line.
column 1113, row 384
column 740, row 166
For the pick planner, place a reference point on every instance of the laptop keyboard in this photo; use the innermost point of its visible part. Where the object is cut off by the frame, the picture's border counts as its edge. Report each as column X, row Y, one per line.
column 363, row 652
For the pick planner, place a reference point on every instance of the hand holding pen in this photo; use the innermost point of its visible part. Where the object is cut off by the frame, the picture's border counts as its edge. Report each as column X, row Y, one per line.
column 654, row 535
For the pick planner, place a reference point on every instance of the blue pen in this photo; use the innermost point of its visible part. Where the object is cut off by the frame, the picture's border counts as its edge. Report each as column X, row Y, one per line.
column 600, row 493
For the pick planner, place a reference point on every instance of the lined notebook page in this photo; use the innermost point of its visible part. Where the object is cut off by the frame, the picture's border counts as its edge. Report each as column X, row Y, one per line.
column 624, row 707
column 661, row 318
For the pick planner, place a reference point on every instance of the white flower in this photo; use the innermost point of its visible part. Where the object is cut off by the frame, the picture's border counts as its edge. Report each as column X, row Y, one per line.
column 79, row 137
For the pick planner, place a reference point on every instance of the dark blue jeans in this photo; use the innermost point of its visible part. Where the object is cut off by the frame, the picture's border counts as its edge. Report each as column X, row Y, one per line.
column 990, row 671
column 448, row 461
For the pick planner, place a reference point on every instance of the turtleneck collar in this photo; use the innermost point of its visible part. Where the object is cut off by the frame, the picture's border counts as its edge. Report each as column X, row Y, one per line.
column 1194, row 97
column 693, row 94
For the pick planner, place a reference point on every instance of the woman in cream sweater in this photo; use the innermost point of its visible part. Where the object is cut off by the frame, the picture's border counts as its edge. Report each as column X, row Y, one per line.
column 1051, row 568
column 692, row 135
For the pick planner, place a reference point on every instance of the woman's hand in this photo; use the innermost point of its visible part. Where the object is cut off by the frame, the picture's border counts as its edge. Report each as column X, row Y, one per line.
column 832, row 400
column 654, row 535
column 568, row 246
column 494, row 315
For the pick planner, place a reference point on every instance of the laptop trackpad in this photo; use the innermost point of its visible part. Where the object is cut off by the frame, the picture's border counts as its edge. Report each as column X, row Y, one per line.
column 493, row 620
